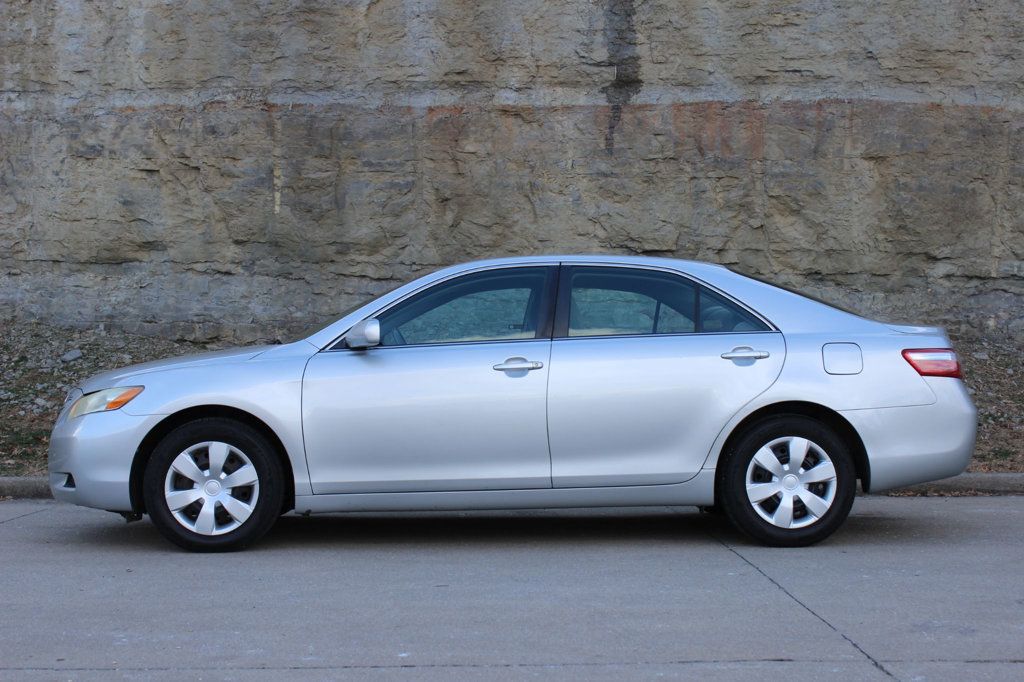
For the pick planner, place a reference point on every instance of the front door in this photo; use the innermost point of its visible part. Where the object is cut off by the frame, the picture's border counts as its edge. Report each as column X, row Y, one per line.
column 454, row 398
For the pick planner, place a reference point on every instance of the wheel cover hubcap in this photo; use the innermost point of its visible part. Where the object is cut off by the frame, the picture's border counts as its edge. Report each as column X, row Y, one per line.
column 791, row 482
column 211, row 488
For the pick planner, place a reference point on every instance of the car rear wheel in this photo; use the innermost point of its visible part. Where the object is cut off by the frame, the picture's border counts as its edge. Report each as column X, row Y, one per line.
column 213, row 485
column 789, row 482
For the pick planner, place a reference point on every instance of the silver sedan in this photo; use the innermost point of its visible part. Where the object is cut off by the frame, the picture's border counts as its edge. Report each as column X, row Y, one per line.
column 530, row 383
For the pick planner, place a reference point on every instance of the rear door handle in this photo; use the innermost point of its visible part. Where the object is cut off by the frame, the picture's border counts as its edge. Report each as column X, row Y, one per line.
column 518, row 365
column 745, row 353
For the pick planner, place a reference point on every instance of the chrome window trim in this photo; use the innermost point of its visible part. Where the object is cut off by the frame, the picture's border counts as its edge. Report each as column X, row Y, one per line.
column 446, row 344
column 659, row 336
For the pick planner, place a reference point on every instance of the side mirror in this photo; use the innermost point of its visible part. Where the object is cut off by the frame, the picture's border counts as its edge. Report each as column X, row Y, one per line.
column 365, row 334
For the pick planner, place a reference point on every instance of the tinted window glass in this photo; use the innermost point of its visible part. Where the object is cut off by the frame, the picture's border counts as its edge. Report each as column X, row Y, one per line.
column 494, row 305
column 616, row 301
column 719, row 315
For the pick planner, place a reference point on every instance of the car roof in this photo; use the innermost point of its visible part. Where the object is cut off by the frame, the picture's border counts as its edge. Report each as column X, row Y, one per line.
column 655, row 261
column 590, row 258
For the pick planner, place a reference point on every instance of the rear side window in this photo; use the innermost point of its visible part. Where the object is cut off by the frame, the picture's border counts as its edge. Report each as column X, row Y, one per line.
column 621, row 301
column 612, row 301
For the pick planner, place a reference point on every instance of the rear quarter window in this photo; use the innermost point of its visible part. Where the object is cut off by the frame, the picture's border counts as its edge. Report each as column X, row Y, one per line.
column 719, row 315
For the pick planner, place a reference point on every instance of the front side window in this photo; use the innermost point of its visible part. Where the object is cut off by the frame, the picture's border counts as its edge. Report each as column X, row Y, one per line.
column 495, row 305
column 611, row 301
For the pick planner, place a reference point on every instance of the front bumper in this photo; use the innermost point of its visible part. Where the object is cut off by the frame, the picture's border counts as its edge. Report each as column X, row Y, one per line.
column 908, row 445
column 90, row 458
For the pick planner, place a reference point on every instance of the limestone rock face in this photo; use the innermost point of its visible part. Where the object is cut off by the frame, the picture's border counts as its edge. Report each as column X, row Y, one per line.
column 240, row 170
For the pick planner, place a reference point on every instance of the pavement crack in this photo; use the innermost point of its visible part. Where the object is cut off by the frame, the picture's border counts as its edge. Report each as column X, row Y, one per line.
column 37, row 511
column 874, row 661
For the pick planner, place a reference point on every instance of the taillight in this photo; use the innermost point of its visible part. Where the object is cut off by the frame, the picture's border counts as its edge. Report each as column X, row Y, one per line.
column 933, row 362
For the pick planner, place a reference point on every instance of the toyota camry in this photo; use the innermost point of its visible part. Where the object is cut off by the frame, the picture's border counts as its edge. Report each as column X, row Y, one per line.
column 540, row 382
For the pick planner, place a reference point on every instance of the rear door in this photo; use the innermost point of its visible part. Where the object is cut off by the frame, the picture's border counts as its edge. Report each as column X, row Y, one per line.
column 638, row 388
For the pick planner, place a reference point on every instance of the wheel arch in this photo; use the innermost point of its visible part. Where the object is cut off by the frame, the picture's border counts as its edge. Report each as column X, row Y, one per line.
column 826, row 415
column 173, row 421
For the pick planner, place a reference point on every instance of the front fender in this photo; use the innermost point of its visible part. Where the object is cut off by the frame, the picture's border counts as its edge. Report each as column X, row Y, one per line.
column 268, row 387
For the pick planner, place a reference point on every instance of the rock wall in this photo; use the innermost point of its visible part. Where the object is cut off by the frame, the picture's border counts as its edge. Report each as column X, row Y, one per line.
column 243, row 169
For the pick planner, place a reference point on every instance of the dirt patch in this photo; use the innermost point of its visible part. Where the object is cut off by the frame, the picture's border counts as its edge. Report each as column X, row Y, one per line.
column 39, row 364
column 994, row 373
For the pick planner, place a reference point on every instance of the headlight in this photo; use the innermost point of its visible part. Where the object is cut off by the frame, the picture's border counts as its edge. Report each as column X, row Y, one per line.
column 103, row 401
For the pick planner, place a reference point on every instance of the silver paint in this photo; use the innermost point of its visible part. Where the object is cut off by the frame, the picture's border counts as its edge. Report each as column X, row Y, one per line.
column 600, row 421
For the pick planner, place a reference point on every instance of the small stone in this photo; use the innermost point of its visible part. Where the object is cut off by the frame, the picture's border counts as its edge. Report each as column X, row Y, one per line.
column 71, row 355
column 980, row 356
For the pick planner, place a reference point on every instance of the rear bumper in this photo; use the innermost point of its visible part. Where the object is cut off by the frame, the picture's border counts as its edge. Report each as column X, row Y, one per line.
column 96, row 451
column 908, row 445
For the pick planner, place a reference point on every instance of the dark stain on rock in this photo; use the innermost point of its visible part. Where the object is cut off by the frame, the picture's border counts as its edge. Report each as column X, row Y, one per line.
column 620, row 36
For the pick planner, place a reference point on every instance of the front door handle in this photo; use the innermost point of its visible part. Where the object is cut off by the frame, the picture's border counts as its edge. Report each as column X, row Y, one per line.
column 518, row 365
column 745, row 353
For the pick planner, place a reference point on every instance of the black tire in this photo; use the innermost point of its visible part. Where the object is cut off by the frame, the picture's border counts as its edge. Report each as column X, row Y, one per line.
column 268, row 490
column 745, row 515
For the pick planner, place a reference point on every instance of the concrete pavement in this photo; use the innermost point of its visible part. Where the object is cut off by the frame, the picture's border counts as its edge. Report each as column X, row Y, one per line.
column 910, row 588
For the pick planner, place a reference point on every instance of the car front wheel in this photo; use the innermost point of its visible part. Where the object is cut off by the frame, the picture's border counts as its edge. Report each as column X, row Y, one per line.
column 789, row 482
column 213, row 485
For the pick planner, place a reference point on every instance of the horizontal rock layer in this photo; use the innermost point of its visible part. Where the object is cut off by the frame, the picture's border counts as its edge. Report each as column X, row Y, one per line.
column 244, row 170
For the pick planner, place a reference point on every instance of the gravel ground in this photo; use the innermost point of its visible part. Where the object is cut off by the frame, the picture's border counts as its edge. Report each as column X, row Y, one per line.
column 40, row 363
